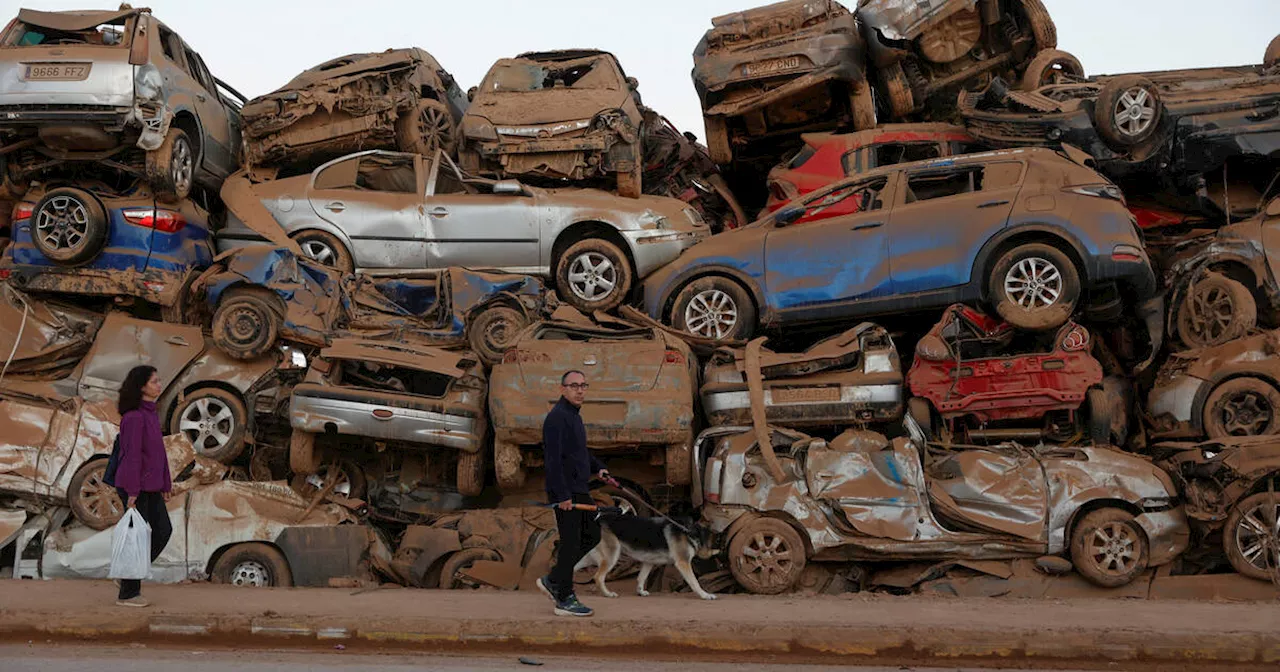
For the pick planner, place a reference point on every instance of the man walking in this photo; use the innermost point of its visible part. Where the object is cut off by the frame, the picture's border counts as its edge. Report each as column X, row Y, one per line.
column 569, row 465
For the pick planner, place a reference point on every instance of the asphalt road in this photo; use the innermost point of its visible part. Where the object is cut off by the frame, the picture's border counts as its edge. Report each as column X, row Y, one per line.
column 140, row 658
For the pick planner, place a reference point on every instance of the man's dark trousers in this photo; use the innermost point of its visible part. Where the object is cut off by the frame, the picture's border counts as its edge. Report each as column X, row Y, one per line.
column 579, row 533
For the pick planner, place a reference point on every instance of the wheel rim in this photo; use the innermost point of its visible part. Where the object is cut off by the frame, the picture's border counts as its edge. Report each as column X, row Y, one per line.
column 1257, row 535
column 499, row 333
column 99, row 499
column 342, row 487
column 1033, row 283
column 245, row 325
column 1135, row 111
column 1211, row 313
column 766, row 560
column 251, row 573
column 592, row 276
column 712, row 314
column 208, row 422
column 434, row 126
column 319, row 251
column 1057, row 72
column 181, row 166
column 1246, row 413
column 1113, row 549
column 63, row 223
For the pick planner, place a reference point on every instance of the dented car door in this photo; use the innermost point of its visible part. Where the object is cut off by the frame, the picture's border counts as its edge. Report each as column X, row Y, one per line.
column 480, row 230
column 124, row 343
column 375, row 199
column 877, row 488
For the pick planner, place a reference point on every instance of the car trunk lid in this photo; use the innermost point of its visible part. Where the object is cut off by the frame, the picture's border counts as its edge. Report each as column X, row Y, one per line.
column 76, row 58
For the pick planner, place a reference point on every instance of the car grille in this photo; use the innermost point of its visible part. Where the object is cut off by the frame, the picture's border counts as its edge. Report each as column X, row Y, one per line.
column 1006, row 131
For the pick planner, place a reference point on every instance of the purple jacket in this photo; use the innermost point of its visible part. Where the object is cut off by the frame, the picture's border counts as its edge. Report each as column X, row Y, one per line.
column 144, row 467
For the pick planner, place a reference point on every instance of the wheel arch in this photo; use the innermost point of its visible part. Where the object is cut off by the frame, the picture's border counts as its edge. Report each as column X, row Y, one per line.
column 1094, row 505
column 579, row 231
column 783, row 516
column 222, row 550
column 1227, row 375
column 172, row 406
column 189, row 122
column 757, row 296
column 1056, row 237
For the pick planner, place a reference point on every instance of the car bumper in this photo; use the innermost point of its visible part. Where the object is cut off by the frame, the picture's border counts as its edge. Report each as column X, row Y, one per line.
column 1168, row 534
column 163, row 288
column 1137, row 276
column 654, row 249
column 1172, row 407
column 319, row 414
column 105, row 115
column 731, row 405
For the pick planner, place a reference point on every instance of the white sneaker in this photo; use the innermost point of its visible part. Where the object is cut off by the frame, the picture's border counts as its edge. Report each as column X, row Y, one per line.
column 135, row 601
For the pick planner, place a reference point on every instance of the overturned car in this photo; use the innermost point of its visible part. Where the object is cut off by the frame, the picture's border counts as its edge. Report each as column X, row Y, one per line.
column 1221, row 391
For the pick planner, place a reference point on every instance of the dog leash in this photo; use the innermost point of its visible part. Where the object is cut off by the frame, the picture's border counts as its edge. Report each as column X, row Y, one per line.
column 635, row 497
column 594, row 508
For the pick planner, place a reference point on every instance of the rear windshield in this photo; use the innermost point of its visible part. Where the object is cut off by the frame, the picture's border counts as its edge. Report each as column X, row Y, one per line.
column 594, row 337
column 592, row 74
column 30, row 35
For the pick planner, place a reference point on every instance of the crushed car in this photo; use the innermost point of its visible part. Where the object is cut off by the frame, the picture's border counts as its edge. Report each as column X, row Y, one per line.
column 853, row 377
column 118, row 89
column 924, row 51
column 1231, row 488
column 365, row 397
column 676, row 166
column 640, row 411
column 261, row 294
column 767, row 74
column 505, row 548
column 88, row 239
column 396, row 99
column 1218, row 392
column 862, row 497
column 555, row 116
column 977, row 378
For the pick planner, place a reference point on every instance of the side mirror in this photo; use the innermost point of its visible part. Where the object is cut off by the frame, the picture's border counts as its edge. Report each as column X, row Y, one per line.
column 508, row 187
column 1273, row 208
column 789, row 216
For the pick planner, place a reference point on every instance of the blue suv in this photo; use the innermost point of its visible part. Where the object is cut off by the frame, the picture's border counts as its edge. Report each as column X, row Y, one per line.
column 1026, row 230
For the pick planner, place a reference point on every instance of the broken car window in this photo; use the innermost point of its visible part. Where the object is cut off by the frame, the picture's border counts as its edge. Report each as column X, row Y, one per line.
column 860, row 197
column 341, row 175
column 926, row 186
column 519, row 77
column 387, row 173
column 903, row 152
column 30, row 35
column 448, row 182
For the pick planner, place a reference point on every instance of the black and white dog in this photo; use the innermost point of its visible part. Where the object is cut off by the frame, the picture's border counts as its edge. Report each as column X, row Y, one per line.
column 654, row 542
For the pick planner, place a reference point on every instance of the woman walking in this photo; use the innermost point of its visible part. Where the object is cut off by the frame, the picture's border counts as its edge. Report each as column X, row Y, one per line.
column 142, row 477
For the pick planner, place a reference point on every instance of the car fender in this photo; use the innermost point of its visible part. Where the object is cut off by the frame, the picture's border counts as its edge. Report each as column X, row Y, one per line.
column 986, row 256
column 694, row 273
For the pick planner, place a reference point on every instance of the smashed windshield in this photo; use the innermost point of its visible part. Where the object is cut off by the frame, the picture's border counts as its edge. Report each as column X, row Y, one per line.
column 523, row 76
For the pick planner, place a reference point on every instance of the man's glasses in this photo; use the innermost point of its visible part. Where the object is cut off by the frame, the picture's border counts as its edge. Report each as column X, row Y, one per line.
column 577, row 386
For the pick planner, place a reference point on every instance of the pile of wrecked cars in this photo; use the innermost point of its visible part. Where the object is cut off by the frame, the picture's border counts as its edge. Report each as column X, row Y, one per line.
column 929, row 299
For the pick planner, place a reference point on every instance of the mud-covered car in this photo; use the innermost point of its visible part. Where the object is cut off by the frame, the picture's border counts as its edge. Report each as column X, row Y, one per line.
column 1028, row 231
column 556, row 115
column 676, row 166
column 383, row 210
column 1218, row 293
column 829, row 157
column 261, row 294
column 1174, row 130
column 116, row 87
column 853, row 377
column 924, row 51
column 89, row 239
column 363, row 397
column 767, row 74
column 978, row 378
column 862, row 497
column 396, row 99
column 1231, row 488
column 641, row 401
column 1220, row 391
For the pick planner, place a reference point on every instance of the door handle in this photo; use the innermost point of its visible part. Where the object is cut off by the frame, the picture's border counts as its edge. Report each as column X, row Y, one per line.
column 439, row 212
column 335, row 206
column 868, row 225
column 200, row 97
column 992, row 204
column 177, row 340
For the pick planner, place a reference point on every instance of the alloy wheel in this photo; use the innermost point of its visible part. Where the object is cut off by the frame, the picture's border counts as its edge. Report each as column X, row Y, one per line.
column 1033, row 283
column 711, row 314
column 63, row 223
column 1135, row 111
column 592, row 276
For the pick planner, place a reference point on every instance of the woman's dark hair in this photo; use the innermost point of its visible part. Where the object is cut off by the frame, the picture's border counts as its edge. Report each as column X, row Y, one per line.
column 131, row 388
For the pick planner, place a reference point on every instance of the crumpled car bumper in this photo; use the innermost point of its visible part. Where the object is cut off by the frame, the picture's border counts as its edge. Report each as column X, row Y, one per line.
column 1168, row 534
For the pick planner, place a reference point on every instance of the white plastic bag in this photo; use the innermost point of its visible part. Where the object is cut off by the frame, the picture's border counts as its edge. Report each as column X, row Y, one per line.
column 130, row 547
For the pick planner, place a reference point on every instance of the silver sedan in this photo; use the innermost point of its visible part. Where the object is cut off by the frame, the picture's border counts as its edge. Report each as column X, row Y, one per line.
column 377, row 210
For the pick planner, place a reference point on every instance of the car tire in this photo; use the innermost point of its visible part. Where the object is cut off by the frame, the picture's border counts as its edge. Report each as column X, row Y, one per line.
column 92, row 501
column 171, row 167
column 508, row 466
column 1051, row 66
column 1240, row 536
column 1108, row 548
column 427, row 127
column 631, row 182
column 325, row 249
column 252, row 564
column 1098, row 413
column 1272, row 55
column 1214, row 310
column 921, row 411
column 303, row 457
column 351, row 484
column 1244, row 406
column 766, row 556
column 1043, row 29
column 717, row 307
column 248, row 322
column 901, row 101
column 596, row 263
column 493, row 331
column 450, row 577
column 1011, row 282
column 69, row 226
column 862, row 106
column 214, row 420
column 470, row 472
column 1128, row 111
column 718, row 145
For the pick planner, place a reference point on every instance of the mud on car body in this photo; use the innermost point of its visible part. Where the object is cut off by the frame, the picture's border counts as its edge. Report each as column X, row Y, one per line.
column 397, row 99
column 862, row 497
column 556, row 115
column 1220, row 391
column 1028, row 231
column 89, row 239
column 115, row 87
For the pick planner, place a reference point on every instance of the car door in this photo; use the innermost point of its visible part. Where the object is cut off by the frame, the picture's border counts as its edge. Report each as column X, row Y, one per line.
column 943, row 216
column 821, row 262
column 877, row 488
column 998, row 491
column 220, row 138
column 124, row 342
column 480, row 230
column 375, row 199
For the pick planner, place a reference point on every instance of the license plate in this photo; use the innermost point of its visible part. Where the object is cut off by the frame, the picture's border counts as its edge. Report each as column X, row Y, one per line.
column 52, row 72
column 775, row 65
column 800, row 395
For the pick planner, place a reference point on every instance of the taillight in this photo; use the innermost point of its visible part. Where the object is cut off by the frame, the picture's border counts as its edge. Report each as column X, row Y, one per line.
column 5, row 273
column 711, row 484
column 383, row 414
column 1110, row 191
column 23, row 210
column 1076, row 339
column 1126, row 253
column 165, row 221
column 674, row 357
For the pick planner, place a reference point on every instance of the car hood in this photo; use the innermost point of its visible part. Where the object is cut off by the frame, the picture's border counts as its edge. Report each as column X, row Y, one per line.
column 533, row 108
column 359, row 64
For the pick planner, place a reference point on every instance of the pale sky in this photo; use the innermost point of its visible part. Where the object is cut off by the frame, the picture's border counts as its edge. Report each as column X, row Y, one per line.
column 258, row 45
